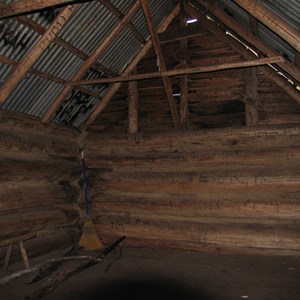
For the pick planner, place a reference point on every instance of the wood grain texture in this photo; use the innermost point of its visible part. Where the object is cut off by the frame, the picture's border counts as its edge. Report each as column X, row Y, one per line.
column 38, row 183
column 235, row 190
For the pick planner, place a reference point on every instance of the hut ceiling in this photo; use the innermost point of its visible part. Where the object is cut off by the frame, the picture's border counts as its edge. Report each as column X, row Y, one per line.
column 63, row 61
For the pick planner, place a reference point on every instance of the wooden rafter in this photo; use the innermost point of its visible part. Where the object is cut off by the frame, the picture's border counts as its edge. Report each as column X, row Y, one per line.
column 114, row 88
column 119, row 15
column 91, row 60
column 239, row 48
column 27, row 6
column 161, row 62
column 289, row 33
column 178, row 72
column 35, row 53
column 249, row 37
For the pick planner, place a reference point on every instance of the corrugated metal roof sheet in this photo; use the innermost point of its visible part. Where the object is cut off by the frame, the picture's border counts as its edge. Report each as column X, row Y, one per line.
column 120, row 51
column 33, row 96
column 123, row 6
column 4, row 72
column 15, row 39
column 58, row 61
column 88, row 26
column 75, row 109
column 289, row 10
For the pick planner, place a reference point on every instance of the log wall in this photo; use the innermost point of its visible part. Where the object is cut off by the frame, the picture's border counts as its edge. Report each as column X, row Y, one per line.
column 228, row 190
column 39, row 183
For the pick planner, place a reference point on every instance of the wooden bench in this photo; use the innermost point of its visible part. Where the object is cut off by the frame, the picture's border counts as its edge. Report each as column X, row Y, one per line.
column 10, row 242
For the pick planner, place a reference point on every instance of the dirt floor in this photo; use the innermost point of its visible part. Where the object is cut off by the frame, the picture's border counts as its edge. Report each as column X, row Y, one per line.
column 169, row 274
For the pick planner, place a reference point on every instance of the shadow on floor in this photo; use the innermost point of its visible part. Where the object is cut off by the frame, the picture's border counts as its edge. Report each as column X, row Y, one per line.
column 146, row 289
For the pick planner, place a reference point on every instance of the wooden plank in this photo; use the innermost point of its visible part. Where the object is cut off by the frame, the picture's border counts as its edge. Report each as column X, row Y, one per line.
column 183, row 71
column 161, row 62
column 111, row 92
column 36, row 51
column 249, row 37
column 251, row 112
column 239, row 48
column 21, row 6
column 282, row 28
column 91, row 60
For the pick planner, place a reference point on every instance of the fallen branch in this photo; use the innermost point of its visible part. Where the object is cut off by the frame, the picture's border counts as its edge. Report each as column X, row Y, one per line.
column 43, row 265
column 60, row 277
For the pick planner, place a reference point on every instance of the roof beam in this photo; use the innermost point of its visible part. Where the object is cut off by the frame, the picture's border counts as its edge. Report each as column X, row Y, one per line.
column 161, row 62
column 182, row 71
column 91, row 60
column 241, row 49
column 35, row 53
column 27, row 6
column 114, row 88
column 249, row 37
column 289, row 33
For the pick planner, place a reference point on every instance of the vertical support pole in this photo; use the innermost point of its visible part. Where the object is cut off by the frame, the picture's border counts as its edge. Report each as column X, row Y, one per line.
column 132, row 107
column 251, row 112
column 184, row 79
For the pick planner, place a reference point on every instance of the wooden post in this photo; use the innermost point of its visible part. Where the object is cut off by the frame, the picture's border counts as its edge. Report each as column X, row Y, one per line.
column 35, row 53
column 183, row 79
column 161, row 62
column 289, row 33
column 132, row 107
column 251, row 112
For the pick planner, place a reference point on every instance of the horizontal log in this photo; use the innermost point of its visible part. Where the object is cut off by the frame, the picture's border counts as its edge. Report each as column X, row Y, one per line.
column 279, row 236
column 178, row 72
column 258, row 206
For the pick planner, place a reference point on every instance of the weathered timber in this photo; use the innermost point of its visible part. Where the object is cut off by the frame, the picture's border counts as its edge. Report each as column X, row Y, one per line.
column 184, row 71
column 282, row 28
column 251, row 91
column 39, row 187
column 132, row 107
column 161, row 62
column 228, row 190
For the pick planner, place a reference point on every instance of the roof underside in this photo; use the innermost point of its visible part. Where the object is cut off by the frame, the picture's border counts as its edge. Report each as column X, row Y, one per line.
column 82, row 34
